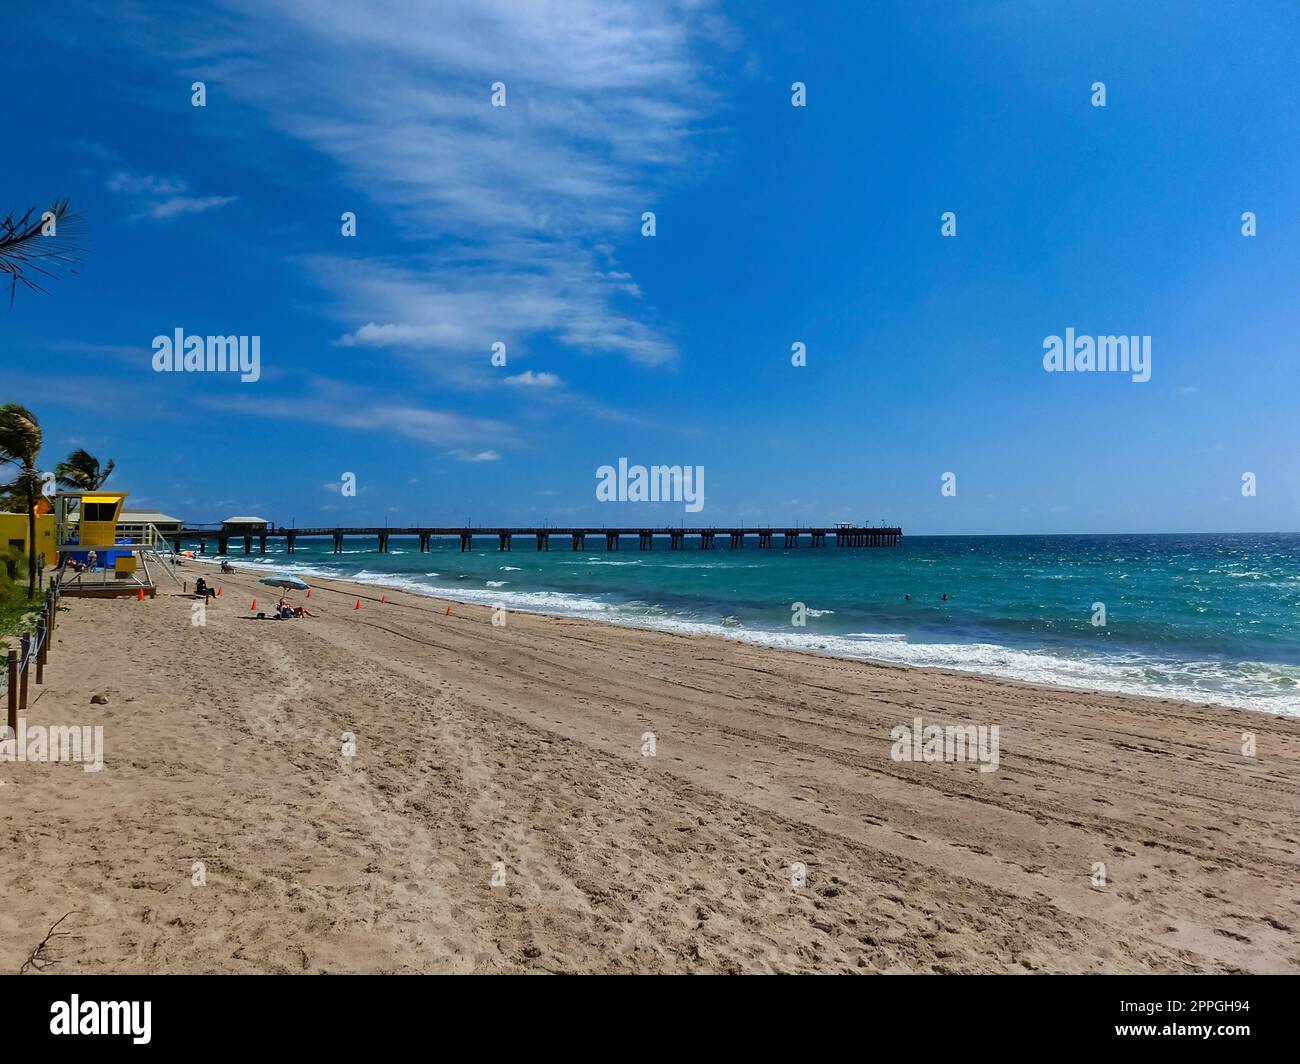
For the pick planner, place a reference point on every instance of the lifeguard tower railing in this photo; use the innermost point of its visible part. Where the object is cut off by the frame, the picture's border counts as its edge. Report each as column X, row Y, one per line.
column 144, row 542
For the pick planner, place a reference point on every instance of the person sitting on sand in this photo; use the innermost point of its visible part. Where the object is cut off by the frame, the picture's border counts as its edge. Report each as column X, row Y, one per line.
column 201, row 588
column 226, row 567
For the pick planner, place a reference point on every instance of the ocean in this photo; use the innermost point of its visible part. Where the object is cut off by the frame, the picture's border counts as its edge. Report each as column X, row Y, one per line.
column 1206, row 618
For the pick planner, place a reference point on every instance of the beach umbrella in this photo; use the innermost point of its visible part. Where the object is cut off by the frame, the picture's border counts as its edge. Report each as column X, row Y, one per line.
column 285, row 581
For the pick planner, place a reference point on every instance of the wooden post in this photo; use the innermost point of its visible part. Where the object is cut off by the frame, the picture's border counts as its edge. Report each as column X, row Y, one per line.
column 25, row 646
column 13, row 692
column 40, row 652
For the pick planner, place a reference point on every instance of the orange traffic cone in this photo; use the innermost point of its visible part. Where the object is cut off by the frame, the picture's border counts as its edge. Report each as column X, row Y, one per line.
column 218, row 592
column 140, row 597
column 309, row 592
column 383, row 599
column 448, row 611
column 358, row 605
column 254, row 605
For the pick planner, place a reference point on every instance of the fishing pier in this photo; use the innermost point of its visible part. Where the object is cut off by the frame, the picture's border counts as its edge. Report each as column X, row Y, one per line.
column 673, row 538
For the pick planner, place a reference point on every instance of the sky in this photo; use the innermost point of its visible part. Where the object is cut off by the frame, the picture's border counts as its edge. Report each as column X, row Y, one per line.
column 775, row 224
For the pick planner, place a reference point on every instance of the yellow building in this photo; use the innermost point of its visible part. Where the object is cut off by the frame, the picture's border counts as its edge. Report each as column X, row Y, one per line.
column 14, row 529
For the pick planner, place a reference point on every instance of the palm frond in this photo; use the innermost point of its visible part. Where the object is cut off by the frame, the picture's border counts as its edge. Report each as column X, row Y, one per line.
column 81, row 471
column 20, row 435
column 26, row 250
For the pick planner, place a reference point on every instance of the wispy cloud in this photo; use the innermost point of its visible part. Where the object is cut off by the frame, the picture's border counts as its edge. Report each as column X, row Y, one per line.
column 529, row 379
column 179, row 205
column 459, row 305
column 161, row 198
column 601, row 97
column 329, row 404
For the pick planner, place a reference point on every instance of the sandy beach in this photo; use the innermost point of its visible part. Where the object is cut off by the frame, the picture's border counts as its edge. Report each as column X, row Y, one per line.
column 229, row 830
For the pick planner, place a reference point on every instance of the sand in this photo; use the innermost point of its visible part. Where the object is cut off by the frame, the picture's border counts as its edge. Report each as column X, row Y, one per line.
column 230, row 832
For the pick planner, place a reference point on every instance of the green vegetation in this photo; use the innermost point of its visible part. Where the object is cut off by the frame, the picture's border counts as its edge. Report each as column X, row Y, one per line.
column 20, row 443
column 18, row 613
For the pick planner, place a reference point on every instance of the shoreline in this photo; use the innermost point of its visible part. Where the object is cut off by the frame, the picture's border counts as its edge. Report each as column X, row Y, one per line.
column 760, row 638
column 523, row 745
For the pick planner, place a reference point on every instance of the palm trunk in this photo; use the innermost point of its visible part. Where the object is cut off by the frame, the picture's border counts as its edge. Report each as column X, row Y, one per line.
column 31, row 538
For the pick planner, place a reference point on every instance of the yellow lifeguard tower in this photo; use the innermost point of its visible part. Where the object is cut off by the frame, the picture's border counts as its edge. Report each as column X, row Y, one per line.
column 90, row 547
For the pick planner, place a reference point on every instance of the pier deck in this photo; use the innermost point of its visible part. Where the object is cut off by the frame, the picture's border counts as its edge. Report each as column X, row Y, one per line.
column 735, row 537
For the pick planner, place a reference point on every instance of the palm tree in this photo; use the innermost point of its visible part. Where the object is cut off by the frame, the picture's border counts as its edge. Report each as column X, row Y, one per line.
column 52, row 238
column 20, row 443
column 81, row 472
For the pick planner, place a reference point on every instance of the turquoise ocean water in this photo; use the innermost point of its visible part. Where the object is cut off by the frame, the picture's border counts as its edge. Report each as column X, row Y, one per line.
column 1212, row 618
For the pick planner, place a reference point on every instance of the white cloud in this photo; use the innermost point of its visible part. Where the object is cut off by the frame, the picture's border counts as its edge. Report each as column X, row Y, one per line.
column 161, row 198
column 177, row 205
column 601, row 97
column 458, row 306
column 145, row 184
column 481, row 456
column 330, row 404
column 529, row 379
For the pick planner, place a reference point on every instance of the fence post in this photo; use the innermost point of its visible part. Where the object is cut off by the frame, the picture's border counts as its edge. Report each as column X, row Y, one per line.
column 24, row 670
column 40, row 652
column 13, row 692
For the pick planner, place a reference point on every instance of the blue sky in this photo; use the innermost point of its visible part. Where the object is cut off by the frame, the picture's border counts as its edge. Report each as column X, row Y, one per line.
column 775, row 224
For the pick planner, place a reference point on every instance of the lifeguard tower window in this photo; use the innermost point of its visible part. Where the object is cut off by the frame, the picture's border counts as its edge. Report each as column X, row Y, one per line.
column 98, row 511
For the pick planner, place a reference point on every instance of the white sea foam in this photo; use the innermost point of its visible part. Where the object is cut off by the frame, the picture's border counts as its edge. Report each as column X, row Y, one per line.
column 1258, row 686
